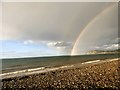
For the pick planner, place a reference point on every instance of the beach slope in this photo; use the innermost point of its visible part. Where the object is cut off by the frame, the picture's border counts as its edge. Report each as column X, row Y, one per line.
column 86, row 76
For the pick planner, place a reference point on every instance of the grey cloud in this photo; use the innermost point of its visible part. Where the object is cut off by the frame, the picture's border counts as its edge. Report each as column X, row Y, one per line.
column 100, row 31
column 117, row 40
column 48, row 21
column 108, row 47
column 61, row 44
column 112, row 45
column 55, row 24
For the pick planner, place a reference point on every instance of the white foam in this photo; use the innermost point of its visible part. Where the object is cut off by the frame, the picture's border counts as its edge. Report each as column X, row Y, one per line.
column 36, row 69
column 31, row 71
column 114, row 59
column 66, row 66
column 91, row 61
column 22, row 71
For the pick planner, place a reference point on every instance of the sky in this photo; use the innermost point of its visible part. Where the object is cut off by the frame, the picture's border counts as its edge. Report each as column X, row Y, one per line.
column 61, row 28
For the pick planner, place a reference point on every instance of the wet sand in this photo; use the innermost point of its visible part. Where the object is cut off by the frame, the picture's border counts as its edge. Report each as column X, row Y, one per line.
column 88, row 76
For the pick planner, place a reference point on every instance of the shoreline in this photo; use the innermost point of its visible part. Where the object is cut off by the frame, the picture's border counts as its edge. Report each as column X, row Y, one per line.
column 38, row 70
column 92, row 75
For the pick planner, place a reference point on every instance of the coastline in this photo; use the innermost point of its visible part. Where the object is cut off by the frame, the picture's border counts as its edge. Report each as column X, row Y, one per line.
column 38, row 70
column 98, row 74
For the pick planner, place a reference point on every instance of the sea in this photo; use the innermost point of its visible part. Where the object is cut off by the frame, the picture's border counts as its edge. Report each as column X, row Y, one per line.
column 16, row 64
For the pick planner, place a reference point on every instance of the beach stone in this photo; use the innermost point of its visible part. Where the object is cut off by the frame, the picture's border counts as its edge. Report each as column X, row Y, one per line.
column 83, row 77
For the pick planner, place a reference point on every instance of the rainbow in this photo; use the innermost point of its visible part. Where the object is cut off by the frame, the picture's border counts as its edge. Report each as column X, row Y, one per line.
column 106, row 10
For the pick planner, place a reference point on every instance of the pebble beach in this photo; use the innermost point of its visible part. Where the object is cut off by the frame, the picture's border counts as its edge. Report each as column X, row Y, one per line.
column 103, row 75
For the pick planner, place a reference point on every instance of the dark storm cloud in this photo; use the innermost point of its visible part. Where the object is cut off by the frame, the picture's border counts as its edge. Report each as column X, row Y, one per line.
column 48, row 21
